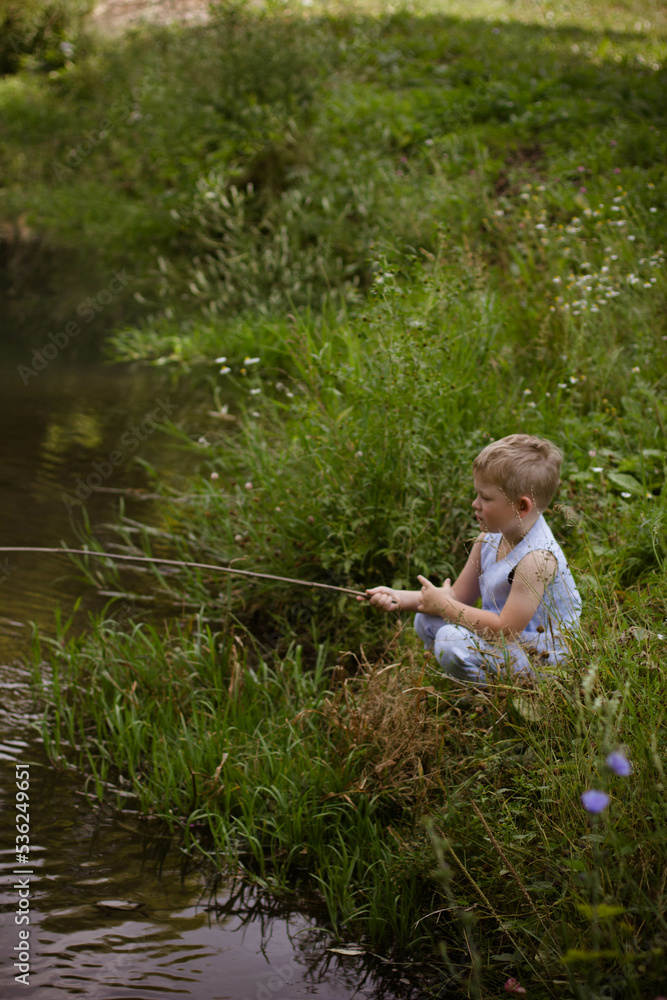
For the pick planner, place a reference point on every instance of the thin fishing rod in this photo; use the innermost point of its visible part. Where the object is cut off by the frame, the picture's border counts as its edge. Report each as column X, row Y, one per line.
column 179, row 562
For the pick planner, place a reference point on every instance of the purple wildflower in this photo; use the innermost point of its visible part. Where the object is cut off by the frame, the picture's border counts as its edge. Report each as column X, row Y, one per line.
column 515, row 987
column 594, row 801
column 619, row 764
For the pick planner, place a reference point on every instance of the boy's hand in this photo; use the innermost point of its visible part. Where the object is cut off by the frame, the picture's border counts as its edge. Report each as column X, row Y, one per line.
column 383, row 598
column 434, row 600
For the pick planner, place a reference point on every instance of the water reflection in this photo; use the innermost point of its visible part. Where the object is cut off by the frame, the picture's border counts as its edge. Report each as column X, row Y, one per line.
column 58, row 435
column 116, row 910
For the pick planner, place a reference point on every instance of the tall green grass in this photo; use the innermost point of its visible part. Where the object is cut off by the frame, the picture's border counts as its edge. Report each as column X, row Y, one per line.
column 348, row 786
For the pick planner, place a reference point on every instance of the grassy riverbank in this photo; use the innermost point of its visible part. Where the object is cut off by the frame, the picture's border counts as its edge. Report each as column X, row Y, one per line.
column 385, row 239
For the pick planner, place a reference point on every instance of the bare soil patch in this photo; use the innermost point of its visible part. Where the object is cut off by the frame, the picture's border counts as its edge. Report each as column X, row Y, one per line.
column 112, row 16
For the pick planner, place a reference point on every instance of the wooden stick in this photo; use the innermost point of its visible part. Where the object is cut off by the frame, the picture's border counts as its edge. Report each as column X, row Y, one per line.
column 179, row 562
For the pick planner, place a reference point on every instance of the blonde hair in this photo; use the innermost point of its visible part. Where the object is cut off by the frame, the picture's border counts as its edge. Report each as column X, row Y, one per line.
column 522, row 465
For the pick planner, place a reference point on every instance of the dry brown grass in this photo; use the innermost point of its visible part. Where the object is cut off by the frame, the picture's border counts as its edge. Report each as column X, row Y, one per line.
column 420, row 734
column 390, row 712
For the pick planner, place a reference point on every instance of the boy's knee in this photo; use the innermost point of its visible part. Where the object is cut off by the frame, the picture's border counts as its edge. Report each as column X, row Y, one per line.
column 450, row 634
column 427, row 627
column 454, row 651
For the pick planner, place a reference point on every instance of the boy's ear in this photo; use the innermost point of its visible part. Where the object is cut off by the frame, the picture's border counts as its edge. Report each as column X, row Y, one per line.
column 525, row 505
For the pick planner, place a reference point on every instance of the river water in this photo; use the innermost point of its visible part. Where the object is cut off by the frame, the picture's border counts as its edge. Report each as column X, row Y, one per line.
column 115, row 910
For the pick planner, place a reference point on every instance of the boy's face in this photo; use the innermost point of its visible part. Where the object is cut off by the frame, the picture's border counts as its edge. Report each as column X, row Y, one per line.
column 494, row 512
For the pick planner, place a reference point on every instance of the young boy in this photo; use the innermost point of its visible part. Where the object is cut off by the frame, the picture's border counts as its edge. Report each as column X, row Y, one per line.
column 529, row 598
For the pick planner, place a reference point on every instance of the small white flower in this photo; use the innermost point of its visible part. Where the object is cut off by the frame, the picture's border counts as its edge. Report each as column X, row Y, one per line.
column 225, row 371
column 596, row 468
column 215, row 475
column 584, row 264
column 636, row 369
column 251, row 361
column 604, row 269
column 499, row 212
column 220, row 361
column 540, row 225
column 254, row 392
column 652, row 209
column 626, row 495
column 631, row 238
column 556, row 281
column 248, row 486
column 358, row 454
column 238, row 538
column 528, row 392
column 614, row 256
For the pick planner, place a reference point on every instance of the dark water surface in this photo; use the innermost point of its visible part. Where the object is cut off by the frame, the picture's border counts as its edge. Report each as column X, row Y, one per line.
column 116, row 911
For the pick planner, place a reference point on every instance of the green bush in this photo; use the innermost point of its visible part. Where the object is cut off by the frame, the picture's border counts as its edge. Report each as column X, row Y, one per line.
column 46, row 30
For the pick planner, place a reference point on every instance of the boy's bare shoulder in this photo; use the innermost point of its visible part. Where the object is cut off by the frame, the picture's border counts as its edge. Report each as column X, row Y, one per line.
column 540, row 563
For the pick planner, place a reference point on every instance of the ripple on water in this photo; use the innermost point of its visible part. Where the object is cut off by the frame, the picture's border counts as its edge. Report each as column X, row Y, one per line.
column 115, row 913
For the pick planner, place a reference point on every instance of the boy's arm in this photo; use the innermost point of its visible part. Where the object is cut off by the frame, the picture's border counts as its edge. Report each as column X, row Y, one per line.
column 466, row 587
column 389, row 599
column 532, row 576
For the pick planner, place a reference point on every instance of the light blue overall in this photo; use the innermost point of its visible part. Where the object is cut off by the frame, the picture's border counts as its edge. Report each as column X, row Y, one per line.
column 465, row 655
